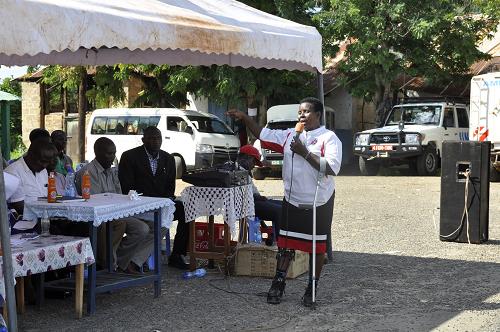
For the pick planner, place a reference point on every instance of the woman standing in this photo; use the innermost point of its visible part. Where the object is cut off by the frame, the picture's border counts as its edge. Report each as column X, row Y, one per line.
column 301, row 165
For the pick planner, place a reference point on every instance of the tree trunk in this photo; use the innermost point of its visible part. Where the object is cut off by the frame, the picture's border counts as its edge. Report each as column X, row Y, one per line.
column 161, row 93
column 43, row 104
column 65, row 108
column 82, row 111
column 382, row 99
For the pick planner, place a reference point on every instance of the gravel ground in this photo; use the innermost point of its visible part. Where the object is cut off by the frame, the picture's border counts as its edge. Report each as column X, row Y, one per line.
column 390, row 273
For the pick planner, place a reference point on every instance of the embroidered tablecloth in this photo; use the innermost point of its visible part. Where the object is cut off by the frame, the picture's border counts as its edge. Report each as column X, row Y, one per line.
column 46, row 253
column 232, row 203
column 102, row 208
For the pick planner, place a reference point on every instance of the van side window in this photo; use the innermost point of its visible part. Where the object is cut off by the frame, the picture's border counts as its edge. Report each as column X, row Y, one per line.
column 148, row 121
column 176, row 124
column 99, row 125
column 463, row 118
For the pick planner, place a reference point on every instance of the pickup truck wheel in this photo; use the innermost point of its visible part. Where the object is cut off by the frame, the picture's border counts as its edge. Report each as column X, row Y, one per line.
column 179, row 167
column 494, row 174
column 368, row 168
column 258, row 174
column 427, row 163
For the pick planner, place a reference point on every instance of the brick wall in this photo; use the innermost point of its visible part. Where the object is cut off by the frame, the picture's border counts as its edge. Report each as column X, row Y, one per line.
column 54, row 121
column 30, row 109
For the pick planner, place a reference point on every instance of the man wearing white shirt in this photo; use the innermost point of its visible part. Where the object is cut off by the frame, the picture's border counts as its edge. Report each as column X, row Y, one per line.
column 30, row 170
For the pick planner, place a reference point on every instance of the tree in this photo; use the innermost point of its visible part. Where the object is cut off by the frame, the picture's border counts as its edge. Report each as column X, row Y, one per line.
column 386, row 38
column 14, row 87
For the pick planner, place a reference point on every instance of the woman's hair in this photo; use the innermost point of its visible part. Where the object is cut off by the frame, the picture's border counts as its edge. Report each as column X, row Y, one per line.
column 316, row 103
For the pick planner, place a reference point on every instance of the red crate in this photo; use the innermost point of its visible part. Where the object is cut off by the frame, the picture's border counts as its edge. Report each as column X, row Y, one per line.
column 201, row 236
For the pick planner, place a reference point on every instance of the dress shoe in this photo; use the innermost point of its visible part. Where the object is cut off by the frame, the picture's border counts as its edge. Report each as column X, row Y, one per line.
column 131, row 269
column 178, row 262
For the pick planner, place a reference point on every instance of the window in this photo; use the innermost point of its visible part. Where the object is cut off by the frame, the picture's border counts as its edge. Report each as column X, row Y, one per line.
column 99, row 125
column 175, row 123
column 449, row 118
column 210, row 125
column 123, row 125
column 463, row 118
column 412, row 114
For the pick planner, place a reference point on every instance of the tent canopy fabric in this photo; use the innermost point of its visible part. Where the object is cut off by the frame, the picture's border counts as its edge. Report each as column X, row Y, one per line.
column 5, row 96
column 175, row 32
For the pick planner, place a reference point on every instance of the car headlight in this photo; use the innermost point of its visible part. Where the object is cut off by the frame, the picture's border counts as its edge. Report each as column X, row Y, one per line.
column 204, row 148
column 362, row 139
column 413, row 138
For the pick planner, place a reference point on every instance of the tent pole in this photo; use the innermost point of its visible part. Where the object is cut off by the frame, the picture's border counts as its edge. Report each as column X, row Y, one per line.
column 5, row 110
column 321, row 95
column 8, row 271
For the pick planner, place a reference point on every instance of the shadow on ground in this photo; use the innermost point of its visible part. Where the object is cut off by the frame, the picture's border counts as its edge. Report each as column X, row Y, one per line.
column 358, row 292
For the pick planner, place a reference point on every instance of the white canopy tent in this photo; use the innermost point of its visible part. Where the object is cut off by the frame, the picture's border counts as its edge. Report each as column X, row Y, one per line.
column 175, row 32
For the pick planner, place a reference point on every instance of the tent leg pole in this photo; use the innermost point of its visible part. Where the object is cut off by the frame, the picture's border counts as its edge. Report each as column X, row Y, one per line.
column 321, row 94
column 8, row 271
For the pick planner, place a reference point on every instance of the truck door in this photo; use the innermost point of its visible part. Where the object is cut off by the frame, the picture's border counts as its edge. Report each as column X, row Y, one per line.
column 463, row 123
column 451, row 133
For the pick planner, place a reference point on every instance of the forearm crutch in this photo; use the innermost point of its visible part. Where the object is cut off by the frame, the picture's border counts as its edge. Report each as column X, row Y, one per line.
column 321, row 174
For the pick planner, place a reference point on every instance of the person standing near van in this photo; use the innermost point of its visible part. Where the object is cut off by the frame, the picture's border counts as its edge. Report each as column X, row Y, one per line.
column 151, row 171
column 302, row 155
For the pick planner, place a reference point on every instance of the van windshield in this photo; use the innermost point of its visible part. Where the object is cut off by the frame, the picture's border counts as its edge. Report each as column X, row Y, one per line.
column 210, row 125
column 281, row 125
column 413, row 114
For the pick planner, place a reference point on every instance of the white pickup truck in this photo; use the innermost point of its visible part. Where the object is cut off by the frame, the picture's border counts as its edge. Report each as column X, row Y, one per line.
column 485, row 116
column 412, row 134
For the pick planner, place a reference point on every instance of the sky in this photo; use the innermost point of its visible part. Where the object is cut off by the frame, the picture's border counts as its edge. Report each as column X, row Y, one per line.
column 14, row 71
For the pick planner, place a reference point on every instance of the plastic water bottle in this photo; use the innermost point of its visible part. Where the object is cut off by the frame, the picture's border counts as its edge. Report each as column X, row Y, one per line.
column 70, row 189
column 254, row 234
column 198, row 273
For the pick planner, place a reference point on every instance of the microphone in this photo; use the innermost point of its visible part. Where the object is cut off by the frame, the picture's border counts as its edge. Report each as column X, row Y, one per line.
column 299, row 127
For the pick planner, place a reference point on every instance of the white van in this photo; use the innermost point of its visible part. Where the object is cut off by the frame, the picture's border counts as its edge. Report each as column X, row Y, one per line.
column 196, row 140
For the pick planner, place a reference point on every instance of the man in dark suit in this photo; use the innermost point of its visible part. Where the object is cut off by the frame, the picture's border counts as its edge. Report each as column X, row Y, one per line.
column 151, row 171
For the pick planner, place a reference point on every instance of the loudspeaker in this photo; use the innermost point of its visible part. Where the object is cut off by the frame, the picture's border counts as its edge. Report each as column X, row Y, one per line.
column 457, row 158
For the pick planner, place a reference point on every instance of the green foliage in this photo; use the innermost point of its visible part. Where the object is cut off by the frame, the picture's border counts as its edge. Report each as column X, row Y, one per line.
column 14, row 87
column 433, row 39
column 107, row 87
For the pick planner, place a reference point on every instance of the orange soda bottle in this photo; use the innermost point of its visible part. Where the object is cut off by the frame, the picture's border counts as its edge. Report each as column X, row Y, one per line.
column 86, row 185
column 51, row 189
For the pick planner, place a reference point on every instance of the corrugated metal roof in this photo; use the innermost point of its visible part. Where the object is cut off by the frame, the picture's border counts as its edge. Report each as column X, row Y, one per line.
column 5, row 96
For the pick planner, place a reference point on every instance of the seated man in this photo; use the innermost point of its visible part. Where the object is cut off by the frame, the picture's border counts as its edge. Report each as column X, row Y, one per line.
column 265, row 209
column 104, row 179
column 30, row 169
column 15, row 198
column 64, row 162
column 52, row 167
column 151, row 171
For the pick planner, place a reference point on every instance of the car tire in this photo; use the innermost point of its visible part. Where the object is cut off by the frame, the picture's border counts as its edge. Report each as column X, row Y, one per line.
column 368, row 168
column 428, row 162
column 494, row 174
column 180, row 168
column 258, row 174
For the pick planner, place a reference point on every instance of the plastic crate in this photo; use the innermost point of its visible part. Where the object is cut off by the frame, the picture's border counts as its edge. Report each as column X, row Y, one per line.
column 201, row 237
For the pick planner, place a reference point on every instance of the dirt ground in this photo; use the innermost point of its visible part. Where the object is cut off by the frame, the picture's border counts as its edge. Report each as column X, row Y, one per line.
column 390, row 273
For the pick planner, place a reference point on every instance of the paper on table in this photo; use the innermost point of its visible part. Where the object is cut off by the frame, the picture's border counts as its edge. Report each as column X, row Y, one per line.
column 24, row 225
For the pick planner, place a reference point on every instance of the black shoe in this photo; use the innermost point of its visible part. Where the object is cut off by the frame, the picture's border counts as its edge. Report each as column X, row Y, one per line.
column 177, row 262
column 307, row 300
column 276, row 291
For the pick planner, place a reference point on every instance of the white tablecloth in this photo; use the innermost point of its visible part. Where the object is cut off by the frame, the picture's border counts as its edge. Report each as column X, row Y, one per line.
column 232, row 203
column 102, row 208
column 45, row 254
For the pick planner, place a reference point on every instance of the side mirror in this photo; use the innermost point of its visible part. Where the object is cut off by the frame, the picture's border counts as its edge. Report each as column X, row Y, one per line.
column 401, row 125
column 189, row 130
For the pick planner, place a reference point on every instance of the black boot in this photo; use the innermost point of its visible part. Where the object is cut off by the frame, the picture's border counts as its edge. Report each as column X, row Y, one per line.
column 276, row 291
column 307, row 300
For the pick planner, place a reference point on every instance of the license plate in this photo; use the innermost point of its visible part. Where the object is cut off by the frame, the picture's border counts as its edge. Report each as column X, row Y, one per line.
column 276, row 162
column 382, row 147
